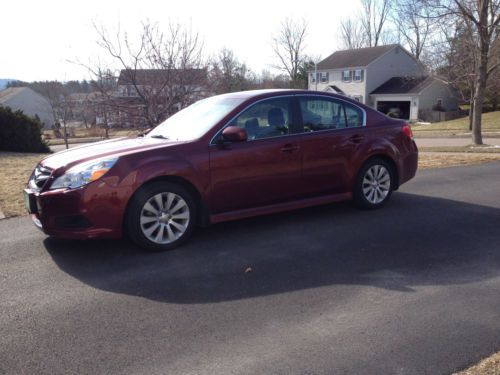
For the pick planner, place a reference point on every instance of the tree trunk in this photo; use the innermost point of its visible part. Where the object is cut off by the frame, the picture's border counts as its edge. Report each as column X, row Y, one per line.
column 471, row 111
column 65, row 133
column 106, row 127
column 482, row 72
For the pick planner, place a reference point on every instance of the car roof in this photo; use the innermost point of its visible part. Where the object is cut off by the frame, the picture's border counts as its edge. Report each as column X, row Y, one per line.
column 275, row 92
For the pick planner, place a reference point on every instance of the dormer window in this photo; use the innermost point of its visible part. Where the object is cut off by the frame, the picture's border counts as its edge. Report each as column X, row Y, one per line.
column 346, row 76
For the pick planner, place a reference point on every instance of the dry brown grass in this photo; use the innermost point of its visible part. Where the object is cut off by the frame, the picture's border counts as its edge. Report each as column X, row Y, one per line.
column 452, row 159
column 488, row 366
column 15, row 169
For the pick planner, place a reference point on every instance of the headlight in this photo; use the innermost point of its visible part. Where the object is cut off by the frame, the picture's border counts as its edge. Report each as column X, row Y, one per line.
column 84, row 173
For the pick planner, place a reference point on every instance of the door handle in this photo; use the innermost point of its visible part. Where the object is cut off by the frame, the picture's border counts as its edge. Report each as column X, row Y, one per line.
column 356, row 139
column 290, row 148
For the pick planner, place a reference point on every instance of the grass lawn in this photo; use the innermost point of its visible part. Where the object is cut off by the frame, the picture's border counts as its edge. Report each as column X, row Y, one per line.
column 490, row 122
column 15, row 170
column 488, row 366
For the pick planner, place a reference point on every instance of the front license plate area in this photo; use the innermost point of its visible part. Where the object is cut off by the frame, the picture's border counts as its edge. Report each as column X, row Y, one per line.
column 30, row 202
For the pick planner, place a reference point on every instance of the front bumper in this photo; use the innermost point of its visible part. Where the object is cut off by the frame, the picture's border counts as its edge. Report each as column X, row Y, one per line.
column 93, row 211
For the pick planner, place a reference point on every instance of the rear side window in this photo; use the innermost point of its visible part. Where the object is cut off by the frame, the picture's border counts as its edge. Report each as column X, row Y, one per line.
column 354, row 116
column 321, row 113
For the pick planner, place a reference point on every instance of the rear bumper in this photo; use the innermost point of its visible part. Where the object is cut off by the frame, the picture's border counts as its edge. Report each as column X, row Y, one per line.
column 409, row 163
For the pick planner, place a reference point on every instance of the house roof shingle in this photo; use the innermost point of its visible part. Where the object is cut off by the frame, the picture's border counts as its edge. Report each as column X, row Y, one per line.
column 10, row 92
column 404, row 85
column 354, row 57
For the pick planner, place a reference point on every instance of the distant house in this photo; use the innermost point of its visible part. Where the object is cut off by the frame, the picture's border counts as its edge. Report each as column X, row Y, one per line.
column 28, row 101
column 387, row 78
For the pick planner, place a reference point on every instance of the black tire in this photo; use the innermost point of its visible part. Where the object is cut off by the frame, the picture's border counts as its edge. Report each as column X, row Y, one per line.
column 164, row 219
column 375, row 194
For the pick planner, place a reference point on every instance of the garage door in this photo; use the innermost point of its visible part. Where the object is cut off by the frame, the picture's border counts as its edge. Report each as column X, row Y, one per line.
column 397, row 109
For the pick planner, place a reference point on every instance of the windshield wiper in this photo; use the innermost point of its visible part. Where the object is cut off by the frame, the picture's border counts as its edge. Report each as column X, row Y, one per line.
column 159, row 136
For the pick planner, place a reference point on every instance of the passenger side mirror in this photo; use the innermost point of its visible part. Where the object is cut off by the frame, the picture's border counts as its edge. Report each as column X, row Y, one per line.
column 234, row 134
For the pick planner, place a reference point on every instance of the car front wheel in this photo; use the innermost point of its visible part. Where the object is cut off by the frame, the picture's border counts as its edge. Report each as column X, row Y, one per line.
column 374, row 184
column 161, row 216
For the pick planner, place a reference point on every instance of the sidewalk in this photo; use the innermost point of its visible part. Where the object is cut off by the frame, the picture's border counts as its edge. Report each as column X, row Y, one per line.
column 452, row 142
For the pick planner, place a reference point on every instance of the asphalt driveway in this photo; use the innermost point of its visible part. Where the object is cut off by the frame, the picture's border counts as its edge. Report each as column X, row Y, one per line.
column 413, row 288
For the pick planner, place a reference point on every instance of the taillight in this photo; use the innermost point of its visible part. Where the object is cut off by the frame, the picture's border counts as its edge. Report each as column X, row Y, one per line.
column 407, row 130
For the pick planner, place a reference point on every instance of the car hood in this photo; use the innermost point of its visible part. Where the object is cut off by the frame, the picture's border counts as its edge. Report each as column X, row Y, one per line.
column 98, row 150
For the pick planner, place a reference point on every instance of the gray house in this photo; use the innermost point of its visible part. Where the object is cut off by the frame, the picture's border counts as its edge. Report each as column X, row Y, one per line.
column 28, row 101
column 387, row 78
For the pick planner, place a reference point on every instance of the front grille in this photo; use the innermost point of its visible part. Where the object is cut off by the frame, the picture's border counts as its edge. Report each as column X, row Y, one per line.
column 39, row 177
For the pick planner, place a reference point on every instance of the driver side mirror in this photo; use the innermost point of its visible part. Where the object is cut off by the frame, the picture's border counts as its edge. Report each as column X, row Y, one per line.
column 234, row 134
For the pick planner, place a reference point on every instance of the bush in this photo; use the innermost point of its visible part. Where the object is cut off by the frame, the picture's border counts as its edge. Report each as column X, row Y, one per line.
column 20, row 133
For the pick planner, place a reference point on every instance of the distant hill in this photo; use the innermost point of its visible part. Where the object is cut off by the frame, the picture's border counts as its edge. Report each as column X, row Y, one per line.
column 4, row 81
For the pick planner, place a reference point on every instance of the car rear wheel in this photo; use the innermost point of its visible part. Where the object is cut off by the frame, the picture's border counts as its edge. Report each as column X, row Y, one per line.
column 374, row 184
column 161, row 216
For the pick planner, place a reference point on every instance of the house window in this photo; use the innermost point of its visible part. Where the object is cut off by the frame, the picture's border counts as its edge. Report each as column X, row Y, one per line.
column 346, row 76
column 313, row 78
column 325, row 76
column 358, row 75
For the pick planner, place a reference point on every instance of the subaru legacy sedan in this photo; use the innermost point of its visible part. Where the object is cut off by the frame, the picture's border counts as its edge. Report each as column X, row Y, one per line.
column 223, row 158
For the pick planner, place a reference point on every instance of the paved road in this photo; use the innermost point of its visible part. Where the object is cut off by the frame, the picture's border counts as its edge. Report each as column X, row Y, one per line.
column 410, row 289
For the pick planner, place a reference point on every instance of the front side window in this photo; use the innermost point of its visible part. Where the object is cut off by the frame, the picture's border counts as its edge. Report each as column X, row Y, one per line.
column 346, row 76
column 325, row 76
column 321, row 114
column 266, row 119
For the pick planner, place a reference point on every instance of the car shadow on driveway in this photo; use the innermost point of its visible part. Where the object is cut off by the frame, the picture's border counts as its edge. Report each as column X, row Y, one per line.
column 413, row 241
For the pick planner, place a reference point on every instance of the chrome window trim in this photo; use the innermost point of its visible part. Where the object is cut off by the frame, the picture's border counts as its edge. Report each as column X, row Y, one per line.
column 243, row 110
column 342, row 100
column 289, row 135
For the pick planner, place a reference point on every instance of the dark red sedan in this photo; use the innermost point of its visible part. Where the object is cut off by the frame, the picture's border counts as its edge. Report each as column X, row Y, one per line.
column 223, row 158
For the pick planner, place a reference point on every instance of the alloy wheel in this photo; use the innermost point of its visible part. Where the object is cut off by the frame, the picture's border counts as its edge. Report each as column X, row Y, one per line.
column 164, row 218
column 376, row 184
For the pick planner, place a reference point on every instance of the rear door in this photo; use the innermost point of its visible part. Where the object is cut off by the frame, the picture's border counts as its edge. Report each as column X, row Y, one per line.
column 332, row 131
column 266, row 168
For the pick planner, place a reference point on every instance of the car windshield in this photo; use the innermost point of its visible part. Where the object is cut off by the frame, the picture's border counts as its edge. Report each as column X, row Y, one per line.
column 194, row 121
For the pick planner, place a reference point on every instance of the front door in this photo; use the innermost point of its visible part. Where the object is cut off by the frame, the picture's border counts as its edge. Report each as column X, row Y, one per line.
column 263, row 170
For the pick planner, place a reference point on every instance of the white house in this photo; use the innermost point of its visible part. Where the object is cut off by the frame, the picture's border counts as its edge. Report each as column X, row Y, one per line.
column 30, row 102
column 387, row 78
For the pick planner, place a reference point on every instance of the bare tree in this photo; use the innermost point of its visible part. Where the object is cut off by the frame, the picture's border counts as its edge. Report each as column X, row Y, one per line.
column 228, row 74
column 413, row 20
column 351, row 34
column 58, row 97
column 155, row 74
column 373, row 19
column 482, row 18
column 288, row 46
column 370, row 27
